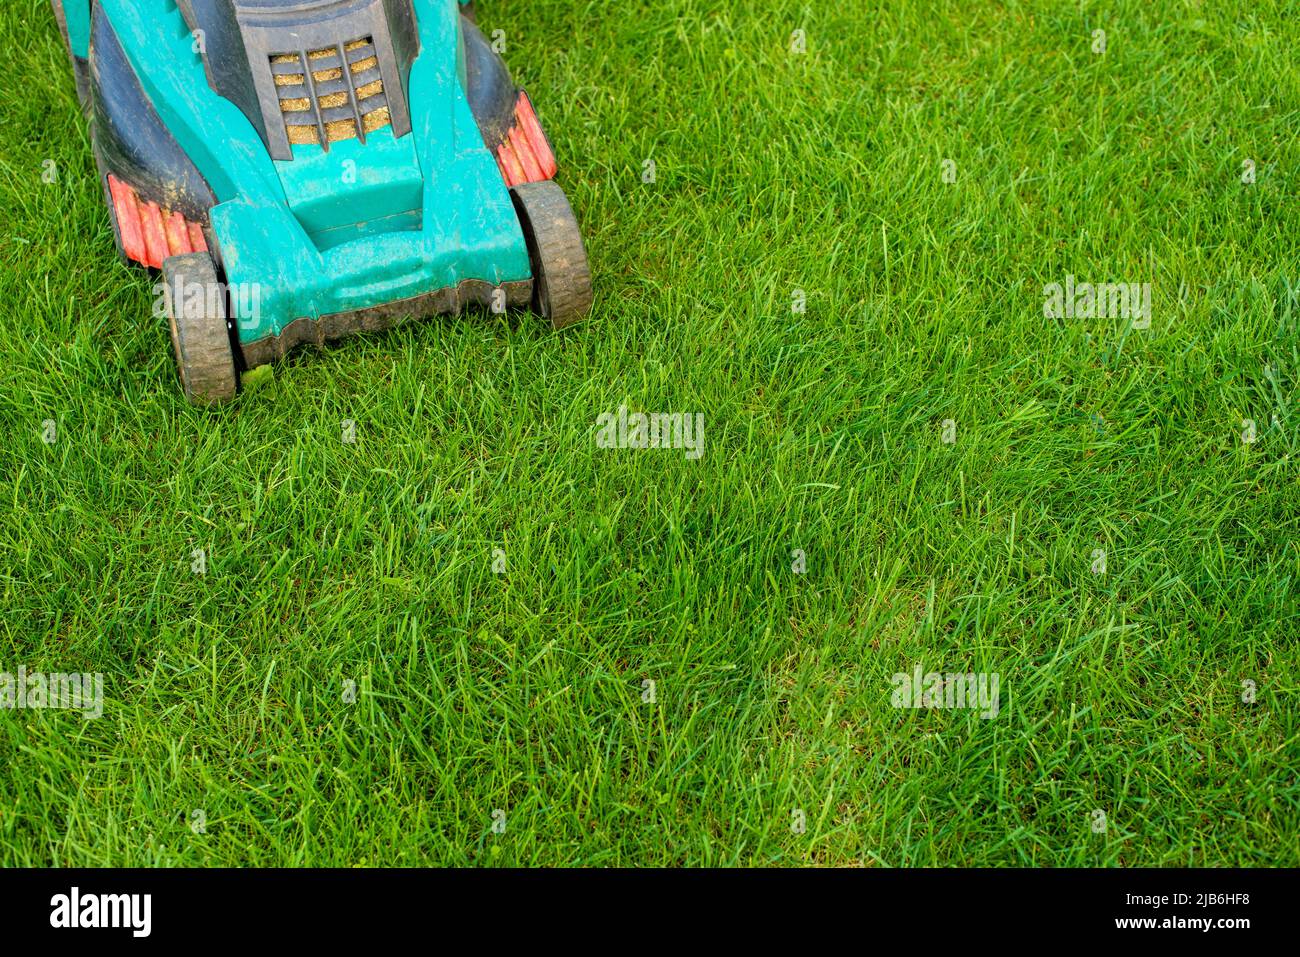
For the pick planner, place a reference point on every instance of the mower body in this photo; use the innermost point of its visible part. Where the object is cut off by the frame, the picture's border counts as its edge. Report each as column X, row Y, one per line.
column 344, row 162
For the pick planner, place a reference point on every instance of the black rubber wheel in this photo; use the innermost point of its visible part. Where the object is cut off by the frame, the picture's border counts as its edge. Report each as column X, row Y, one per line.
column 196, row 312
column 561, row 275
column 80, row 67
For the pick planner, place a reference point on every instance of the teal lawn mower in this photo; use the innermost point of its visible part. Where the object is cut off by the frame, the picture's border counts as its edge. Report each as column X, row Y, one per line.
column 299, row 170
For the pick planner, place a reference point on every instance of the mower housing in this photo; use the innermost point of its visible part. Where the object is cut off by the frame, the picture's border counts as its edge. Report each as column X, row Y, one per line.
column 346, row 163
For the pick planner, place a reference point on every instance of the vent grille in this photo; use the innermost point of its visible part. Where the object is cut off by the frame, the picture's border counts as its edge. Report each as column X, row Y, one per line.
column 324, row 101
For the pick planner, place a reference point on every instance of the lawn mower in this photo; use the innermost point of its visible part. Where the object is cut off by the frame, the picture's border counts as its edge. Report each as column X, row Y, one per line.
column 298, row 170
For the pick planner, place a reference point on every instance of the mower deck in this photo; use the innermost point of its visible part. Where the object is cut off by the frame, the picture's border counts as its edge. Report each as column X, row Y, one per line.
column 349, row 162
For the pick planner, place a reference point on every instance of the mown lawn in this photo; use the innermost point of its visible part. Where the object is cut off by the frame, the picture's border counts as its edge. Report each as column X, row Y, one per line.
column 351, row 682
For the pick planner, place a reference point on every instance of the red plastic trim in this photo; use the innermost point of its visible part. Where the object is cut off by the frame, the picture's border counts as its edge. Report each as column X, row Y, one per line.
column 525, row 156
column 149, row 232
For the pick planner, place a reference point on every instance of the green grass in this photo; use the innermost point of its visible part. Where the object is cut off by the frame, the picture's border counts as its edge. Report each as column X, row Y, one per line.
column 372, row 563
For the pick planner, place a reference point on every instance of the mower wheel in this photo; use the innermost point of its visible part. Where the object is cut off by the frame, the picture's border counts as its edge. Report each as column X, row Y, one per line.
column 80, row 68
column 561, row 275
column 196, row 311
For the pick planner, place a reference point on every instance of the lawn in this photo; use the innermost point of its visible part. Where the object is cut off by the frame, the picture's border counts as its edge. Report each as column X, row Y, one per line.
column 475, row 636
